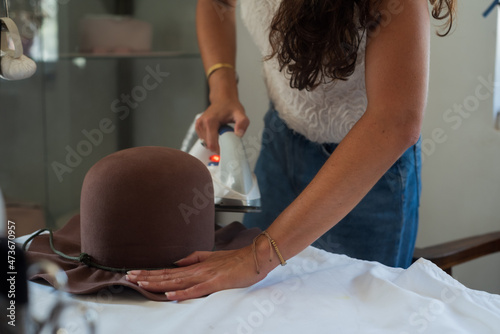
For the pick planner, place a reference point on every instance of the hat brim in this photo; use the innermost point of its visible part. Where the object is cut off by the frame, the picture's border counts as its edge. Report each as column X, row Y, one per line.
column 83, row 279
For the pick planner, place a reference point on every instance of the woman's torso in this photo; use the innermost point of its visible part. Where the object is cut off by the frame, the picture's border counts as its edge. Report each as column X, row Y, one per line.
column 324, row 115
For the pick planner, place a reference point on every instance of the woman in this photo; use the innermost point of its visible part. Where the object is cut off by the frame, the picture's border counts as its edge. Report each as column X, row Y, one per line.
column 348, row 85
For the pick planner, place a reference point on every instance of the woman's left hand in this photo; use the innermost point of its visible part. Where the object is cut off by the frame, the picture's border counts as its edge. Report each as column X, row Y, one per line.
column 203, row 273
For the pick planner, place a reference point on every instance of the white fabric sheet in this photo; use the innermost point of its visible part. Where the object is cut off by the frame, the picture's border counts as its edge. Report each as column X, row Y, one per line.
column 317, row 292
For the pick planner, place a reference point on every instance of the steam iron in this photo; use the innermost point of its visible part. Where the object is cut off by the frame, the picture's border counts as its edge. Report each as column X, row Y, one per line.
column 235, row 186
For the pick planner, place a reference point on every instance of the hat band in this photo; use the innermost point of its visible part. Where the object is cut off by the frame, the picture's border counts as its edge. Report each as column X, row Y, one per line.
column 83, row 258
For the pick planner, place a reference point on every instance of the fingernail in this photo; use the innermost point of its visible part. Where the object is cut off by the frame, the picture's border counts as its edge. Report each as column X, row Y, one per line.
column 143, row 284
column 129, row 277
column 170, row 294
column 239, row 133
column 133, row 272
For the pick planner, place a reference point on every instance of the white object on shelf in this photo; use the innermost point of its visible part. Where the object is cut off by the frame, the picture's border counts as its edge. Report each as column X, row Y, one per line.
column 14, row 64
column 104, row 34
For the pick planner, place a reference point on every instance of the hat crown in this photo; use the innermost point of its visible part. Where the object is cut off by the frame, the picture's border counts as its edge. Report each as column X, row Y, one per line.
column 146, row 207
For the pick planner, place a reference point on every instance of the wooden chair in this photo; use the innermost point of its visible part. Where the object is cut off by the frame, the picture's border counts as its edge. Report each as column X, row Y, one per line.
column 450, row 254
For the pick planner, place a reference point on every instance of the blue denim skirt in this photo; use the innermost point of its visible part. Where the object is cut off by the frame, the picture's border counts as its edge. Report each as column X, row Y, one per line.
column 382, row 227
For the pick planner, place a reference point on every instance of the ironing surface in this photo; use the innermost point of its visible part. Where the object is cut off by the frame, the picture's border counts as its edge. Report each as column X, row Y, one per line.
column 317, row 292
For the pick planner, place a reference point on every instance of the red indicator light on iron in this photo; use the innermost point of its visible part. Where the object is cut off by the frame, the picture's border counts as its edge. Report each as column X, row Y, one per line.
column 215, row 158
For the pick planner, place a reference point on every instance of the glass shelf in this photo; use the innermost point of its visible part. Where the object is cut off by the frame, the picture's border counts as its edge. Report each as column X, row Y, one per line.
column 135, row 55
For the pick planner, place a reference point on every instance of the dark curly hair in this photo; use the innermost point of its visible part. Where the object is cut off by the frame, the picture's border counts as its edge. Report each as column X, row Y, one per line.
column 318, row 40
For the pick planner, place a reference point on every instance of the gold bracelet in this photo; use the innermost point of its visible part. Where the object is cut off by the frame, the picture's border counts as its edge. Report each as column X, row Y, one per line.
column 272, row 245
column 215, row 67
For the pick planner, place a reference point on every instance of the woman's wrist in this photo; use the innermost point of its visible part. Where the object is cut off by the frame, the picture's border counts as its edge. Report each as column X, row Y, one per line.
column 265, row 255
column 223, row 85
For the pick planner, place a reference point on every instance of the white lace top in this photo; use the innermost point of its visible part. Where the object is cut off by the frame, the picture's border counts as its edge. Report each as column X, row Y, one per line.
column 324, row 115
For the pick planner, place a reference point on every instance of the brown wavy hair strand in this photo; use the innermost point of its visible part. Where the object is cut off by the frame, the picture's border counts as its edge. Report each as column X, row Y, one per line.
column 316, row 41
column 444, row 9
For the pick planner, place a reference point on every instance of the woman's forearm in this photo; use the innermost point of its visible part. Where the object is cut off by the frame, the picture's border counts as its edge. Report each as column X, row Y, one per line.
column 359, row 161
column 216, row 31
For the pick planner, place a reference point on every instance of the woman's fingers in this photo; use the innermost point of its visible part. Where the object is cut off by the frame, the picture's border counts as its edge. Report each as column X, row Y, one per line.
column 166, row 280
column 193, row 258
column 180, row 289
column 169, row 274
column 173, row 284
column 173, row 279
column 135, row 276
column 157, row 277
column 196, row 291
column 207, row 125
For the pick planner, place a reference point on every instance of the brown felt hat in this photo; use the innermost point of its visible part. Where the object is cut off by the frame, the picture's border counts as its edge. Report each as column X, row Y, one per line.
column 140, row 208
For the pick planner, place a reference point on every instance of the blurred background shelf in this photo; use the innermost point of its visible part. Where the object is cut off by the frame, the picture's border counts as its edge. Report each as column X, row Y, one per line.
column 80, row 107
column 137, row 55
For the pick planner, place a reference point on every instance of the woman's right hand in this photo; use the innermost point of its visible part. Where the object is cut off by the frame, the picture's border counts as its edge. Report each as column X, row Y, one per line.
column 220, row 113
